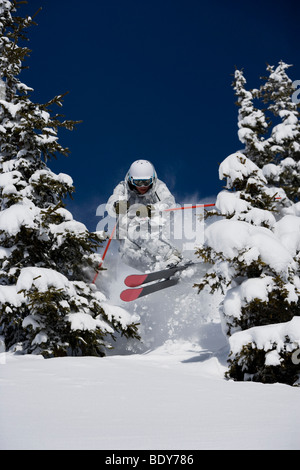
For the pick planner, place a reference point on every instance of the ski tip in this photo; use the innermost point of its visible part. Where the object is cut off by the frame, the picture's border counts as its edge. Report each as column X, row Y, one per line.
column 135, row 280
column 129, row 295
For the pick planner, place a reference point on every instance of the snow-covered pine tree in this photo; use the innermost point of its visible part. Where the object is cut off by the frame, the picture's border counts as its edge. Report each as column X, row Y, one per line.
column 284, row 141
column 271, row 135
column 255, row 251
column 48, row 304
column 254, row 258
column 252, row 122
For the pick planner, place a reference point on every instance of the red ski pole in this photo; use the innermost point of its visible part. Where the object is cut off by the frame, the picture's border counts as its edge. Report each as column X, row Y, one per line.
column 105, row 251
column 188, row 207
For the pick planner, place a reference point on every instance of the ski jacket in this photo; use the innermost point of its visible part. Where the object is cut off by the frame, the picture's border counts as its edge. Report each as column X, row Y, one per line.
column 141, row 246
column 157, row 196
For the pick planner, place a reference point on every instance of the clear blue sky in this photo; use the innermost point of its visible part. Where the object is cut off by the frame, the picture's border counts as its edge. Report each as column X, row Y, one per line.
column 152, row 79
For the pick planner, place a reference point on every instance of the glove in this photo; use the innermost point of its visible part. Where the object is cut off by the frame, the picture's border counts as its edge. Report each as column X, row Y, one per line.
column 121, row 207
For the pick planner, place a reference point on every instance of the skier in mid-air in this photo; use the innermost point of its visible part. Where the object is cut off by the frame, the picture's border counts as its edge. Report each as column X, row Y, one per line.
column 143, row 227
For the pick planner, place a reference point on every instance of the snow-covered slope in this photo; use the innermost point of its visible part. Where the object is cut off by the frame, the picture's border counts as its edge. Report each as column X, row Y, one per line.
column 173, row 398
column 167, row 392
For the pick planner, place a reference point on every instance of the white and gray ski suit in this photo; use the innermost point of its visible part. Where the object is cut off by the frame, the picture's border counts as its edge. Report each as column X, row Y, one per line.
column 144, row 240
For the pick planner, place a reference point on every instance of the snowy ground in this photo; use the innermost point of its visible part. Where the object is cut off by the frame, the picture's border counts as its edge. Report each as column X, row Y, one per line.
column 167, row 392
column 173, row 398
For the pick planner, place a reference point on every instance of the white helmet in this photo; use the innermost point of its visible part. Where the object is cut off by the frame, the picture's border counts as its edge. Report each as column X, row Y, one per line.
column 141, row 174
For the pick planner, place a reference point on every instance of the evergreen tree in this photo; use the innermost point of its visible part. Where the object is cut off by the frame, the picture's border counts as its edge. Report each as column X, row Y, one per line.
column 254, row 251
column 48, row 304
column 284, row 140
column 254, row 260
column 271, row 132
column 252, row 122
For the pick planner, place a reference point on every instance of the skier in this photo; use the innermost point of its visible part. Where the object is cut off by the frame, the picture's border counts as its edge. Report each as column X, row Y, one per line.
column 143, row 228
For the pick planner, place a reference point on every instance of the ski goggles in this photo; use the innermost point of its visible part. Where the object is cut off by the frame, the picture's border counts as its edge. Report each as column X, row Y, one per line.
column 141, row 183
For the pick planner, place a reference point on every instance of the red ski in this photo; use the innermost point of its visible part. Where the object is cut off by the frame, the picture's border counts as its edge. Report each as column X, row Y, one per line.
column 135, row 280
column 129, row 295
